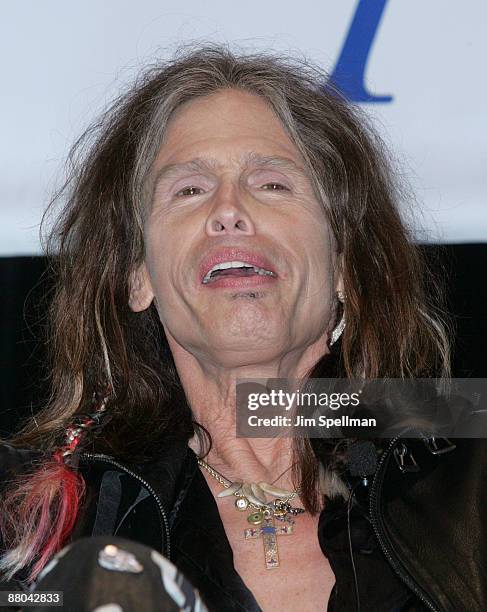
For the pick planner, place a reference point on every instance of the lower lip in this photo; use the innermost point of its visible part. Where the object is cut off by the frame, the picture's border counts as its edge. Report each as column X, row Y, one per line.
column 240, row 282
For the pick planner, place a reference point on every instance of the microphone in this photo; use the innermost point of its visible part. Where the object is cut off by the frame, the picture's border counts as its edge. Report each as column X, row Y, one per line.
column 362, row 459
column 362, row 462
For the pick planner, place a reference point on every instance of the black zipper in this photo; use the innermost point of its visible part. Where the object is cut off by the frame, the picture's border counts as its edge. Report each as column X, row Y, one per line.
column 162, row 513
column 382, row 538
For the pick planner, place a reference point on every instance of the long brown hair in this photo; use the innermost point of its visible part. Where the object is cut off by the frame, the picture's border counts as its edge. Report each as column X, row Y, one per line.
column 396, row 323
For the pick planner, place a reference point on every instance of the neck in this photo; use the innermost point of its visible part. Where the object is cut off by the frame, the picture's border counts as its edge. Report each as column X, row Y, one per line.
column 210, row 388
column 250, row 460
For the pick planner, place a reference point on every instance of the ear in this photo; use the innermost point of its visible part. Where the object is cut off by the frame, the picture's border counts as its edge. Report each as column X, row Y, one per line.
column 141, row 292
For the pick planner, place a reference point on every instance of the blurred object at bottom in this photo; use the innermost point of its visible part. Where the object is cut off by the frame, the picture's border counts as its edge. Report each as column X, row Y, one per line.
column 107, row 574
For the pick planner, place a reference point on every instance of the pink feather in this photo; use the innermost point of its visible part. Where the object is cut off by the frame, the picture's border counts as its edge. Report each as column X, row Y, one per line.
column 39, row 516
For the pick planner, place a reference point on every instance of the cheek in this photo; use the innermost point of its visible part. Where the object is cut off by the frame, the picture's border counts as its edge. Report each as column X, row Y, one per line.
column 161, row 240
column 319, row 283
column 314, row 241
column 160, row 269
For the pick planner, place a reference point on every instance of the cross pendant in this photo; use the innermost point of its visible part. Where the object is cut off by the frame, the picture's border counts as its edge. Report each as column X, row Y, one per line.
column 269, row 533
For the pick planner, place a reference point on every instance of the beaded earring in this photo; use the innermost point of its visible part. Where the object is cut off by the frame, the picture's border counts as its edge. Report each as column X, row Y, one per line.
column 337, row 332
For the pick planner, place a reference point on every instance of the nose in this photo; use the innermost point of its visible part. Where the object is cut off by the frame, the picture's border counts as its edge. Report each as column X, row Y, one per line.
column 229, row 216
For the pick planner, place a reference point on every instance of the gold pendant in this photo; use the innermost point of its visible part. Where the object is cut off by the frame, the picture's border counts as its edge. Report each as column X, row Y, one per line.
column 269, row 533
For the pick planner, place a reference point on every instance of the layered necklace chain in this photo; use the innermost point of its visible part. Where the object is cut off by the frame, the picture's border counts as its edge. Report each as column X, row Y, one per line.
column 263, row 513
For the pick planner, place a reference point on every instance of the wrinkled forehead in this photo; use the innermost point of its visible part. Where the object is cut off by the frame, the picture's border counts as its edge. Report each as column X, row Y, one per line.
column 236, row 121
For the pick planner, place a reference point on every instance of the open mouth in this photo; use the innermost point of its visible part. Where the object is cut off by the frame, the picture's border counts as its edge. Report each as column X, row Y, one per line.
column 235, row 269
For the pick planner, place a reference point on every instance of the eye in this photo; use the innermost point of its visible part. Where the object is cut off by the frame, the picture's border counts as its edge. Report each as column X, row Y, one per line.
column 275, row 187
column 189, row 191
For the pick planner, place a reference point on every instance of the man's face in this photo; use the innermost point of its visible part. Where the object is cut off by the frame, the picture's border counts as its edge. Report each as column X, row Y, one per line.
column 231, row 187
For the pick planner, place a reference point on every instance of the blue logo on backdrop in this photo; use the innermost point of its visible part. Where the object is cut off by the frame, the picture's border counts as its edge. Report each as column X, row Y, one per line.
column 349, row 72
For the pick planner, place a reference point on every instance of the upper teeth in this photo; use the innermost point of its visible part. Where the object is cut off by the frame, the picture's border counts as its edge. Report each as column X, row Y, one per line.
column 236, row 264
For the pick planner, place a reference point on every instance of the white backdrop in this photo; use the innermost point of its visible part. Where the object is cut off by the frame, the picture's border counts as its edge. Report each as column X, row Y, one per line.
column 61, row 62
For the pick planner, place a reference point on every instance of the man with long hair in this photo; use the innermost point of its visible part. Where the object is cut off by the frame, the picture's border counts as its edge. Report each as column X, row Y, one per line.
column 232, row 216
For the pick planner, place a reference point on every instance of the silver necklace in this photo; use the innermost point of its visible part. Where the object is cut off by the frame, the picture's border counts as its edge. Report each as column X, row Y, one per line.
column 264, row 513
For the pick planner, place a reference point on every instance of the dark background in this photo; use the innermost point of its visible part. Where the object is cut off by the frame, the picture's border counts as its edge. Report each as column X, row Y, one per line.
column 24, row 288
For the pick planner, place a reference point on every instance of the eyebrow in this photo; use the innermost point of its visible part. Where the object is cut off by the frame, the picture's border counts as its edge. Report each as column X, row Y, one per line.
column 250, row 161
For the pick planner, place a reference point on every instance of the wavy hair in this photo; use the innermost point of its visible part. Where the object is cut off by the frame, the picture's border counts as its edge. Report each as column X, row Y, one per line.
column 396, row 322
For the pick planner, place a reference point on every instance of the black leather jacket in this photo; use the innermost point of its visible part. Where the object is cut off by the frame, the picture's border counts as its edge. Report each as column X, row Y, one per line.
column 419, row 538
